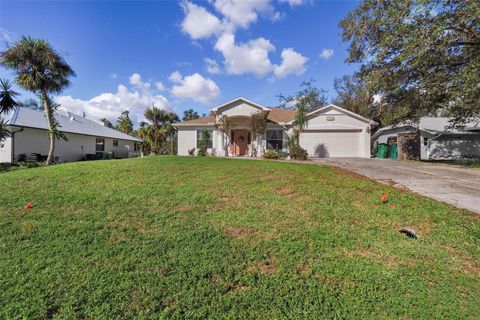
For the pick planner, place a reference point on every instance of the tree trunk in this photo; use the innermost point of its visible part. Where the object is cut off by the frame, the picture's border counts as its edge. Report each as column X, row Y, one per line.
column 226, row 145
column 51, row 137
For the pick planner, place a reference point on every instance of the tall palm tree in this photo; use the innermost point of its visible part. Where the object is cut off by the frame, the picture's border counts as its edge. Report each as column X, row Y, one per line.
column 42, row 70
column 7, row 103
column 160, row 128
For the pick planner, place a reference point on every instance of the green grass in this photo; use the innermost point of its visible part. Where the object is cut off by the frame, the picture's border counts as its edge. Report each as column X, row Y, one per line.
column 173, row 237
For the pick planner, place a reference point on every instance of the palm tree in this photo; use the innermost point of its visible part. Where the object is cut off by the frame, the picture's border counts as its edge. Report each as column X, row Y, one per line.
column 42, row 70
column 160, row 128
column 7, row 96
column 7, row 103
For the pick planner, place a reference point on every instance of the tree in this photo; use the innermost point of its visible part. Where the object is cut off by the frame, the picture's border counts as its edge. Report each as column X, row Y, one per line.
column 190, row 114
column 203, row 143
column 124, row 123
column 7, row 104
column 32, row 104
column 225, row 125
column 107, row 123
column 257, row 124
column 354, row 95
column 308, row 99
column 42, row 70
column 422, row 56
column 159, row 129
column 312, row 98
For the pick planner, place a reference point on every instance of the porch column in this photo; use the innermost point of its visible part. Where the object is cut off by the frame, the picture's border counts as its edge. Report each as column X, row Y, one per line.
column 221, row 143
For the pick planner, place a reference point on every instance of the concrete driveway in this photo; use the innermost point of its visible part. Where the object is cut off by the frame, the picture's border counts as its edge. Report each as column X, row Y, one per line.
column 451, row 184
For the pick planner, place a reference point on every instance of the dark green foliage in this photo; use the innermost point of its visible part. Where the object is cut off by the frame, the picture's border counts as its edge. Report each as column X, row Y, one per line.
column 271, row 154
column 203, row 143
column 297, row 153
column 124, row 123
column 190, row 114
column 159, row 133
column 422, row 56
column 107, row 123
column 7, row 97
column 211, row 238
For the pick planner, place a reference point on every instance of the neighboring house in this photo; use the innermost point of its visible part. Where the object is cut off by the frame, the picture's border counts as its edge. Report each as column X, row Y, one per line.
column 85, row 137
column 331, row 131
column 437, row 140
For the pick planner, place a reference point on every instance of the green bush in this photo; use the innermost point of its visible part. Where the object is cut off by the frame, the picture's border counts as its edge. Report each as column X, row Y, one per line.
column 203, row 143
column 298, row 153
column 272, row 154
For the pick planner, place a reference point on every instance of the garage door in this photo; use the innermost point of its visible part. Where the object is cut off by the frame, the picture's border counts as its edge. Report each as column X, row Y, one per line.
column 326, row 144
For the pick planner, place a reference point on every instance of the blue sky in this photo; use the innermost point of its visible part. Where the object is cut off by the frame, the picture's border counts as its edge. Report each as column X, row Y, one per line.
column 180, row 55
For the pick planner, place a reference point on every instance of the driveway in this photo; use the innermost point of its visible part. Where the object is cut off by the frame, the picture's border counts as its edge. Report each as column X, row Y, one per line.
column 457, row 186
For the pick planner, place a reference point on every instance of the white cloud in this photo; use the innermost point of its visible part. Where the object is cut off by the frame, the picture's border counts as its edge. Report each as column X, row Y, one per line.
column 326, row 54
column 212, row 66
column 241, row 13
column 198, row 22
column 175, row 77
column 293, row 3
column 6, row 35
column 250, row 57
column 194, row 87
column 113, row 75
column 136, row 80
column 159, row 85
column 292, row 63
column 110, row 104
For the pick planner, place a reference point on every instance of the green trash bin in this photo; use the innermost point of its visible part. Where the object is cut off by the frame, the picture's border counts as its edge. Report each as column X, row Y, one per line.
column 393, row 151
column 382, row 151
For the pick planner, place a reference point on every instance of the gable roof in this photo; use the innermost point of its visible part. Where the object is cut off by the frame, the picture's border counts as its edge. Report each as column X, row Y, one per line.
column 342, row 110
column 434, row 125
column 69, row 122
column 223, row 105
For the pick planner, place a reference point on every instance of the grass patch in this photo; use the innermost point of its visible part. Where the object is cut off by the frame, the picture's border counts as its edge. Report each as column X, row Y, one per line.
column 178, row 237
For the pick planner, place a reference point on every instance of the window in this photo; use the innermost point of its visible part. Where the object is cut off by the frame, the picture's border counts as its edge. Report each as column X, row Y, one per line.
column 199, row 137
column 274, row 139
column 425, row 141
column 115, row 143
column 100, row 145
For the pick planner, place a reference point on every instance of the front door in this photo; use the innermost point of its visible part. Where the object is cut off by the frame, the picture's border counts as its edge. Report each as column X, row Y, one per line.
column 240, row 139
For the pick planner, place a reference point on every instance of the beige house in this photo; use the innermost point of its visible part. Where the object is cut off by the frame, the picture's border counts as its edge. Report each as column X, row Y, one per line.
column 331, row 131
column 29, row 135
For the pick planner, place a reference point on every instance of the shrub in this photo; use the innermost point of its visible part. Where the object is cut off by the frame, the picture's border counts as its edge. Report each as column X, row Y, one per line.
column 203, row 143
column 272, row 154
column 298, row 153
column 191, row 152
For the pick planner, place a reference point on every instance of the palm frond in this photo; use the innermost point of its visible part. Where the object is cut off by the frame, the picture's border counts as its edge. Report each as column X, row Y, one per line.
column 7, row 96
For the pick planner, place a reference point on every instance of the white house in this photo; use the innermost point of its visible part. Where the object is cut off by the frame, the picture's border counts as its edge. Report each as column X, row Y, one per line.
column 29, row 134
column 330, row 132
column 437, row 140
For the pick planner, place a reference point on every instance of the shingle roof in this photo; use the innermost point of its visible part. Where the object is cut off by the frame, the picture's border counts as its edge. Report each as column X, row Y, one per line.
column 278, row 115
column 201, row 120
column 69, row 122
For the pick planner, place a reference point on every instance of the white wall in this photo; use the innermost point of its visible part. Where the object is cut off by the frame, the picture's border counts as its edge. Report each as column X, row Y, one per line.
column 36, row 141
column 6, row 150
column 339, row 126
column 453, row 146
column 187, row 139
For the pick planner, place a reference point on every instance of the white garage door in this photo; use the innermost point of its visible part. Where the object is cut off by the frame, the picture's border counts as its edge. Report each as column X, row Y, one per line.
column 326, row 144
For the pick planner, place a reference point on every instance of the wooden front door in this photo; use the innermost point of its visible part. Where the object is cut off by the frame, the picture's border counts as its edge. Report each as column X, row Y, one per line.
column 240, row 139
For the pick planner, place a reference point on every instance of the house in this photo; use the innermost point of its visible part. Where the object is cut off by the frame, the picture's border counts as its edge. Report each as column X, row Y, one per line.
column 436, row 139
column 330, row 132
column 29, row 135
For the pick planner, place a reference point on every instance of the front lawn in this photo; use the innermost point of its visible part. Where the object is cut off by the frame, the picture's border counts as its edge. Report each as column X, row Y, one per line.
column 173, row 237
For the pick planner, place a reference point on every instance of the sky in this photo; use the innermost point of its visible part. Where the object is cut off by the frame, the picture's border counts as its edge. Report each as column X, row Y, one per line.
column 178, row 55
